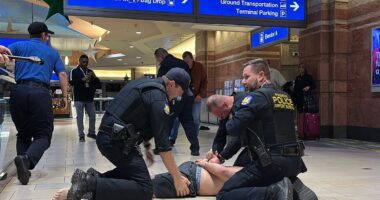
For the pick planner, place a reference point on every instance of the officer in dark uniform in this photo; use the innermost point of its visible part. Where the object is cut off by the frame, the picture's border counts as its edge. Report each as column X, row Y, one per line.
column 222, row 107
column 30, row 102
column 184, row 108
column 138, row 113
column 265, row 122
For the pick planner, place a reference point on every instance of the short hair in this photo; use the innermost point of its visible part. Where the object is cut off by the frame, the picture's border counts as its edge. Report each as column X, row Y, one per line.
column 83, row 56
column 160, row 51
column 36, row 35
column 214, row 101
column 258, row 65
column 187, row 54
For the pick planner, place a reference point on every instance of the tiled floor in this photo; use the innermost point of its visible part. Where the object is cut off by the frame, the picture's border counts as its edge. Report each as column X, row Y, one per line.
column 337, row 169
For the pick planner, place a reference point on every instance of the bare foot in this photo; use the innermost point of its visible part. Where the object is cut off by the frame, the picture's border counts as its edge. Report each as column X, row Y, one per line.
column 61, row 194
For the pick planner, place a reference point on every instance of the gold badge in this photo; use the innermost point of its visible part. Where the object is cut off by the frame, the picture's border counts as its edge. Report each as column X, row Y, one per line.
column 167, row 109
column 246, row 100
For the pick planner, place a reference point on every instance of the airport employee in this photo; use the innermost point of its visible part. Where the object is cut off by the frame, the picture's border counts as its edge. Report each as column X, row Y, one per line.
column 30, row 100
column 138, row 113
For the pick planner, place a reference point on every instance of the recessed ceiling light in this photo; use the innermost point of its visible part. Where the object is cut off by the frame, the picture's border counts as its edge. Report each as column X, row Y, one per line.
column 138, row 32
column 131, row 46
column 120, row 59
column 138, row 57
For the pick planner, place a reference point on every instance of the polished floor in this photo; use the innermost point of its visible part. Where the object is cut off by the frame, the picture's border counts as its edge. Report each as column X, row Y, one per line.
column 338, row 169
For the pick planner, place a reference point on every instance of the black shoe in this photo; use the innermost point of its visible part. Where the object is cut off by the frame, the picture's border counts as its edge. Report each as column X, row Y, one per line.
column 302, row 192
column 282, row 190
column 156, row 152
column 22, row 164
column 172, row 142
column 204, row 128
column 195, row 153
column 93, row 172
column 82, row 139
column 82, row 184
column 93, row 136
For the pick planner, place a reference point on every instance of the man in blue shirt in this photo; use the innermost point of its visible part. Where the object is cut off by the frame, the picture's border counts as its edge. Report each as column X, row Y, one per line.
column 30, row 102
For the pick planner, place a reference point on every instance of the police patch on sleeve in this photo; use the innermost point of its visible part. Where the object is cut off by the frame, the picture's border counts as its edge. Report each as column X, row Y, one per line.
column 166, row 109
column 247, row 100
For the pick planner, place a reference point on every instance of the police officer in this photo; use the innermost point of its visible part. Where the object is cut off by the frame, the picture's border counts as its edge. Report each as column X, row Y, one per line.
column 138, row 113
column 30, row 100
column 265, row 121
column 223, row 106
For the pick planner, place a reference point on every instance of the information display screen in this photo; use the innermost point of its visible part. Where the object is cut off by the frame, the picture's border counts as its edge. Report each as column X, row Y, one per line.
column 269, row 36
column 375, row 67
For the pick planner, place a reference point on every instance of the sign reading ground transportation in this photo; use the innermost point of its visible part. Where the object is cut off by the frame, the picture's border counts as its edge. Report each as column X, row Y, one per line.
column 289, row 13
column 269, row 36
column 164, row 6
column 260, row 11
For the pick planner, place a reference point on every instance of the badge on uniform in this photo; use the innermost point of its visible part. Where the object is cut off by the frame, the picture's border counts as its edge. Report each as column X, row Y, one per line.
column 247, row 100
column 167, row 109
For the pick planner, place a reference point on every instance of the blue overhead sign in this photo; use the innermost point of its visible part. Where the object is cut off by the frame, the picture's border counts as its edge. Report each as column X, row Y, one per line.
column 254, row 9
column 163, row 6
column 269, row 36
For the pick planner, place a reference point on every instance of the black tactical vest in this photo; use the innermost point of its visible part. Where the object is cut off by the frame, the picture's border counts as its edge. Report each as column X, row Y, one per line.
column 129, row 107
column 275, row 126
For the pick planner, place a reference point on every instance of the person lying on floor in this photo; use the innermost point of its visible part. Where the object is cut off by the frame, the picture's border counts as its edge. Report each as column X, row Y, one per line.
column 206, row 180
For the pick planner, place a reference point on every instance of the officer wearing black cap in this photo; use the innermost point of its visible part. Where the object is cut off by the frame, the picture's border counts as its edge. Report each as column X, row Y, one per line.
column 30, row 102
column 265, row 122
column 138, row 113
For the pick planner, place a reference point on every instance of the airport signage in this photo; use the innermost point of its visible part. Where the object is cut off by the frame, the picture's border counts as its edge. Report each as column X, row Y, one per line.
column 269, row 36
column 375, row 60
column 290, row 13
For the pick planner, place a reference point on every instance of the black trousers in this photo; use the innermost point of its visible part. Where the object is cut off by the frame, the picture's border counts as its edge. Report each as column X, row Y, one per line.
column 32, row 114
column 129, row 180
column 184, row 111
column 242, row 185
column 243, row 159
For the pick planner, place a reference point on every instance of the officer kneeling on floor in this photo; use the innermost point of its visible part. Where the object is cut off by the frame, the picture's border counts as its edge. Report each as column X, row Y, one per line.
column 265, row 122
column 137, row 114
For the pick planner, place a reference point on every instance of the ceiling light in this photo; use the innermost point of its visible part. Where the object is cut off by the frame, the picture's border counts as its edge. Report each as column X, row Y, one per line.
column 116, row 55
column 67, row 60
column 108, row 32
column 138, row 57
column 120, row 59
column 100, row 39
column 131, row 46
column 138, row 32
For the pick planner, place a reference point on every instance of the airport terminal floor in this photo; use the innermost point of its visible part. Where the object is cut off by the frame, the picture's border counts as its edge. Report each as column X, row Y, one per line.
column 338, row 169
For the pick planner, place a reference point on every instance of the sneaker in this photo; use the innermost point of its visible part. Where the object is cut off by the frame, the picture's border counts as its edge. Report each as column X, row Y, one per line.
column 282, row 190
column 204, row 128
column 93, row 136
column 302, row 192
column 22, row 164
column 195, row 153
column 82, row 186
column 82, row 139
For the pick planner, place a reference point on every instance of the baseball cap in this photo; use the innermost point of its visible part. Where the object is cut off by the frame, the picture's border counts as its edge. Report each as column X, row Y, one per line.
column 38, row 27
column 182, row 78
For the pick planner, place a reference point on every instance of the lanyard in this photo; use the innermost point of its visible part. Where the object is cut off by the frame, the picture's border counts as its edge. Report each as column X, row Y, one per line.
column 84, row 74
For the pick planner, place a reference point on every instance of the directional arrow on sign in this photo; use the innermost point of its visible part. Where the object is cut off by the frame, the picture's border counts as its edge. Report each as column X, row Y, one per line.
column 295, row 6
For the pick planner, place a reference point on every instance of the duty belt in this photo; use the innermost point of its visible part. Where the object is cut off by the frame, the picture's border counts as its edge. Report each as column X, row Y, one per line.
column 288, row 150
column 33, row 83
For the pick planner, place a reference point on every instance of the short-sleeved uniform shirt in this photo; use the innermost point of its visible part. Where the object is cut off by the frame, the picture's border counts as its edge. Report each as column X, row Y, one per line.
column 30, row 71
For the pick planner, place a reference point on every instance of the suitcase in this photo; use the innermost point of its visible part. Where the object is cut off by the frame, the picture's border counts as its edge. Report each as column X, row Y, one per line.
column 309, row 126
